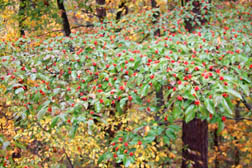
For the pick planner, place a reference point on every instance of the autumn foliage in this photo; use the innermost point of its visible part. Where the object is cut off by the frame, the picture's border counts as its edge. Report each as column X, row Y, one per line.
column 114, row 93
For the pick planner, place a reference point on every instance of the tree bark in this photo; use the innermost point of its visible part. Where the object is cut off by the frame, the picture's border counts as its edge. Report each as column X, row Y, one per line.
column 236, row 150
column 66, row 25
column 196, row 10
column 21, row 16
column 122, row 7
column 195, row 144
column 100, row 11
column 216, row 145
column 195, row 133
column 155, row 16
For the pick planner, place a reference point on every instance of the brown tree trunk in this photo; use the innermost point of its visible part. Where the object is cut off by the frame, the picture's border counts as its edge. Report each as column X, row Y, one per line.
column 195, row 144
column 100, row 11
column 121, row 7
column 216, row 146
column 66, row 25
column 155, row 16
column 196, row 10
column 21, row 16
column 195, row 133
column 236, row 150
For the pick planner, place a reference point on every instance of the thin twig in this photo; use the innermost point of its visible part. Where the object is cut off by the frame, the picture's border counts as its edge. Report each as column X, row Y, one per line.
column 68, row 158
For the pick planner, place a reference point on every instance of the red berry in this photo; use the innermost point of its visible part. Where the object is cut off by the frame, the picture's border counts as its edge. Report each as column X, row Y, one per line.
column 223, row 118
column 94, row 63
column 197, row 102
column 196, row 88
column 131, row 154
column 125, row 151
column 139, row 143
column 152, row 76
column 165, row 118
column 126, row 144
column 225, row 95
column 210, row 116
column 84, row 98
column 101, row 101
column 180, row 98
column 221, row 78
column 121, row 88
column 130, row 98
column 115, row 155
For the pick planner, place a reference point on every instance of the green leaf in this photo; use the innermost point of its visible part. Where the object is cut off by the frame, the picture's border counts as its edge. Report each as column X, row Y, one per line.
column 98, row 107
column 127, row 161
column 226, row 106
column 54, row 121
column 19, row 90
column 234, row 93
column 245, row 89
column 190, row 113
column 73, row 130
column 33, row 76
column 20, row 145
column 144, row 89
column 41, row 113
column 73, row 74
column 166, row 140
column 101, row 158
column 123, row 102
column 217, row 100
column 221, row 126
column 136, row 99
column 170, row 133
column 5, row 145
column 209, row 105
column 85, row 105
column 149, row 138
column 90, row 124
column 175, row 128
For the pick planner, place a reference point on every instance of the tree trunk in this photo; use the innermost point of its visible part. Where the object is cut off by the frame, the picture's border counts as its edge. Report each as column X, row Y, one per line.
column 100, row 11
column 236, row 150
column 21, row 16
column 155, row 17
column 195, row 144
column 121, row 8
column 66, row 25
column 195, row 133
column 196, row 10
column 216, row 146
